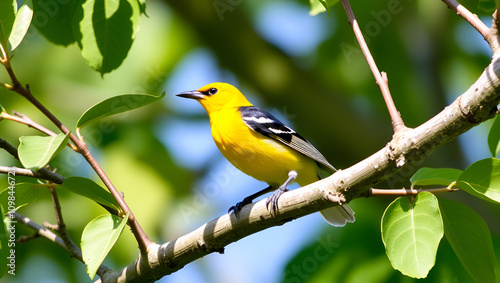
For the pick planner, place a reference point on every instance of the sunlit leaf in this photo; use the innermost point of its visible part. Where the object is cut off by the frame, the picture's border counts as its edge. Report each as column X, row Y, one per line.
column 470, row 239
column 21, row 24
column 411, row 233
column 107, row 30
column 482, row 179
column 494, row 137
column 115, row 105
column 18, row 195
column 35, row 151
column 320, row 6
column 98, row 237
column 8, row 10
column 432, row 176
column 89, row 189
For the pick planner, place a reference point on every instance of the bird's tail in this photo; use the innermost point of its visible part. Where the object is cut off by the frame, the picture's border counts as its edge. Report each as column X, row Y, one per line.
column 338, row 215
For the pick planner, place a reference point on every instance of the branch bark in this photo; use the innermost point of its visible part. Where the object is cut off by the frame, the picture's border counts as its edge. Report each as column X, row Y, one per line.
column 476, row 105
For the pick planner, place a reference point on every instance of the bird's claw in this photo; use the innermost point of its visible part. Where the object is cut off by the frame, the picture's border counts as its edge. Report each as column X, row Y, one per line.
column 237, row 207
column 273, row 200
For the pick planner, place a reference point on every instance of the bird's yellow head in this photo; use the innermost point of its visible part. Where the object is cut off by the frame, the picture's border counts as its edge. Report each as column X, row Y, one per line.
column 217, row 96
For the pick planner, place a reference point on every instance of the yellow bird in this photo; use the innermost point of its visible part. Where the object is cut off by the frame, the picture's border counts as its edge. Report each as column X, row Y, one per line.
column 261, row 146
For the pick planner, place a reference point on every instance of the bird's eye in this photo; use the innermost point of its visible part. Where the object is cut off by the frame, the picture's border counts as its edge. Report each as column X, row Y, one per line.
column 212, row 91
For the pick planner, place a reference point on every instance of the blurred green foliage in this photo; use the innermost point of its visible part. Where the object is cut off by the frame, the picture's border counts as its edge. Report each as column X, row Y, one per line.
column 430, row 54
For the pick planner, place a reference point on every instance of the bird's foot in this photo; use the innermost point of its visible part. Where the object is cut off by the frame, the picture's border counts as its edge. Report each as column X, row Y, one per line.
column 273, row 200
column 237, row 208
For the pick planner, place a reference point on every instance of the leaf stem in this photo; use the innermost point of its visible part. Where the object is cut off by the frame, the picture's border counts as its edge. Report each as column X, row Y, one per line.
column 469, row 17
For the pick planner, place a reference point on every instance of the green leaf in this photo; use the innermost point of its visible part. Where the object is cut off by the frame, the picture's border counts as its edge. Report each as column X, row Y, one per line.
column 470, row 239
column 431, row 176
column 19, row 195
column 411, row 234
column 98, row 237
column 35, row 151
column 107, row 29
column 115, row 105
column 55, row 19
column 21, row 24
column 494, row 137
column 8, row 10
column 482, row 179
column 320, row 6
column 89, row 189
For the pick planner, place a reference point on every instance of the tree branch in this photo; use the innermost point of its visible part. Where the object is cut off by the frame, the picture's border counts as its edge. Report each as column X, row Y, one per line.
column 381, row 78
column 40, row 174
column 476, row 105
column 469, row 17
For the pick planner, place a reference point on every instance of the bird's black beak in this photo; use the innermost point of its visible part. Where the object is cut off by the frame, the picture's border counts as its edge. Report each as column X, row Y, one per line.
column 193, row 94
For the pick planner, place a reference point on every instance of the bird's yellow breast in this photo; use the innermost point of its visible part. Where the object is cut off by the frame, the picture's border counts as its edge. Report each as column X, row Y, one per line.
column 256, row 155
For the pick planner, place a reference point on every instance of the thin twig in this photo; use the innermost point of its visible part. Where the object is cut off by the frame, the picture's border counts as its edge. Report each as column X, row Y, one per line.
column 381, row 78
column 40, row 174
column 25, row 120
column 61, row 226
column 24, row 239
column 12, row 150
column 468, row 16
column 51, row 236
column 406, row 192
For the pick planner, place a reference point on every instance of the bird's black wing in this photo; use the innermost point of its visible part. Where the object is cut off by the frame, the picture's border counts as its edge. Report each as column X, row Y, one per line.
column 266, row 124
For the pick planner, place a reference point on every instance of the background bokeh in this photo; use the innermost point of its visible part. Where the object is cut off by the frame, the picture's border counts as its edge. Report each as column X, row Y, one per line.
column 306, row 70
